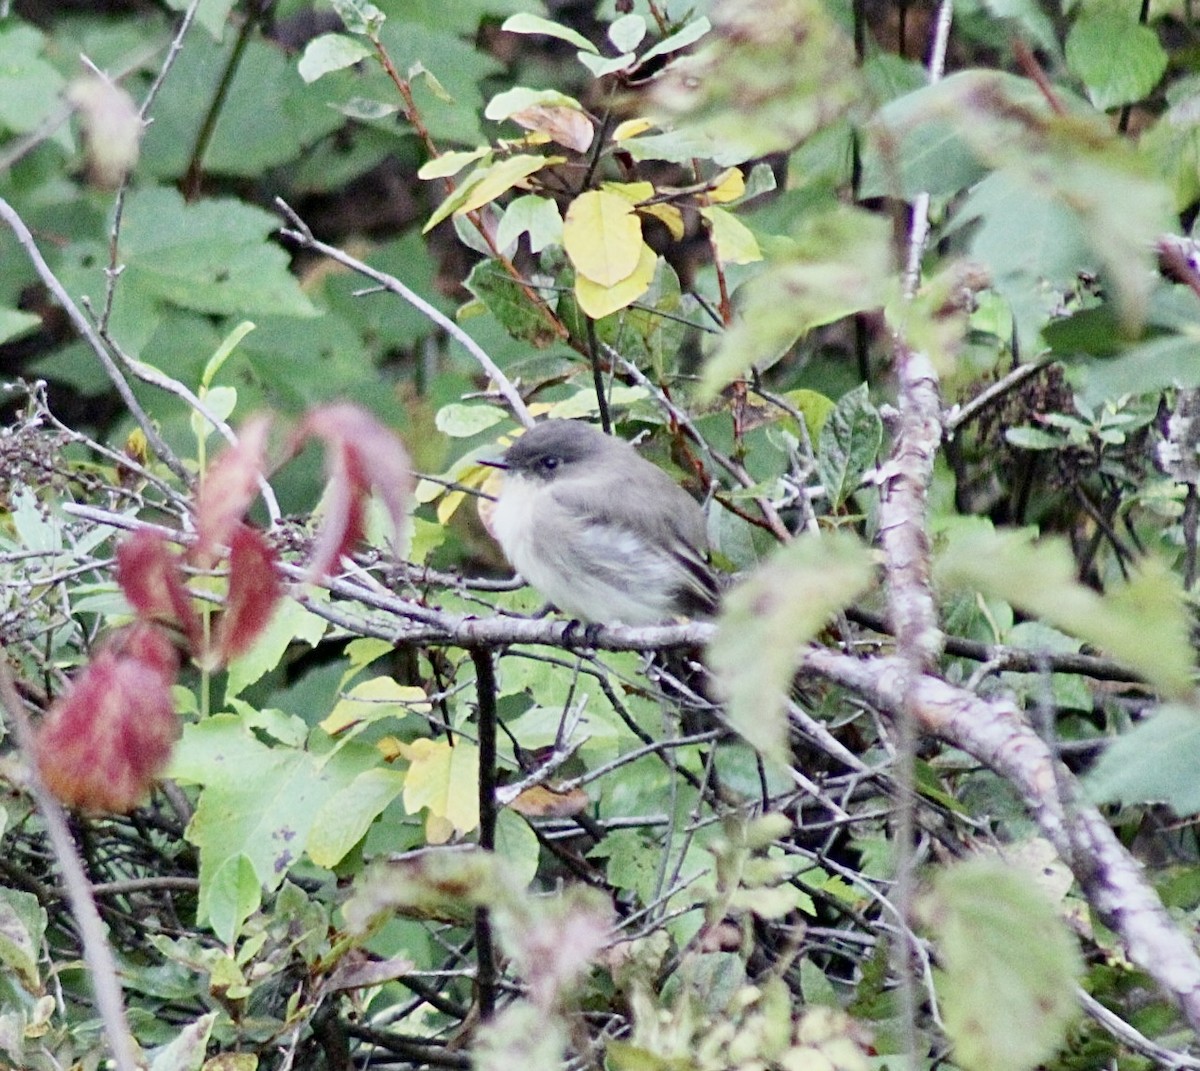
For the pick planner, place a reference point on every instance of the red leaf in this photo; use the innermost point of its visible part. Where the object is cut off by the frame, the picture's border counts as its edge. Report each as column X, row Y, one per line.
column 360, row 453
column 228, row 488
column 345, row 510
column 254, row 590
column 149, row 575
column 106, row 739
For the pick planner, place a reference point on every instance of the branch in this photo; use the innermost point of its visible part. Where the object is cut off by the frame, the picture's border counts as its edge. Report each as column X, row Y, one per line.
column 996, row 733
column 115, row 269
column 904, row 537
column 85, row 329
column 485, row 955
column 299, row 233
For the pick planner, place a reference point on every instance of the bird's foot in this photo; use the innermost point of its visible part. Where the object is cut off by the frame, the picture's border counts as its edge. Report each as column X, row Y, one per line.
column 581, row 636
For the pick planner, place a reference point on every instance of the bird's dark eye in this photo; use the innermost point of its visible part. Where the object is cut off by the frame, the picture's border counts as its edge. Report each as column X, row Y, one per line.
column 549, row 464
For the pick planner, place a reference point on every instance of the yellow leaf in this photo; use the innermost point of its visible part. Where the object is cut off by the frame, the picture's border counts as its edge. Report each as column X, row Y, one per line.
column 444, row 779
column 631, row 128
column 603, row 238
column 729, row 185
column 668, row 215
column 438, row 830
column 449, row 504
column 389, row 747
column 472, row 476
column 487, row 506
column 734, row 241
column 503, row 176
column 450, row 163
column 598, row 301
column 379, row 697
column 633, row 192
column 486, row 183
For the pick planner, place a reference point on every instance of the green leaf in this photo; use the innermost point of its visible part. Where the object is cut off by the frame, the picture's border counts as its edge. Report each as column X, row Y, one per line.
column 1155, row 762
column 517, row 99
column 372, row 700
column 343, row 820
column 269, row 117
column 234, row 894
column 626, row 33
column 1065, row 196
column 848, row 444
column 291, row 622
column 14, row 323
column 1159, row 364
column 1143, row 623
column 186, row 1051
column 222, row 353
column 30, row 89
column 1033, row 439
column 687, row 35
column 600, row 66
column 330, row 52
column 22, row 926
column 517, row 844
column 359, row 16
column 507, row 301
column 764, row 621
column 211, row 14
column 488, row 182
column 258, row 801
column 814, row 407
column 1030, row 21
column 1173, row 145
column 536, row 216
column 735, row 242
column 1119, row 60
column 1010, row 966
column 838, row 262
column 464, row 421
column 758, row 93
column 213, row 256
column 451, row 163
column 535, row 24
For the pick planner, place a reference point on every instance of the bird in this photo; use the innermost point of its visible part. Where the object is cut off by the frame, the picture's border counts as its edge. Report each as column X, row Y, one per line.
column 605, row 535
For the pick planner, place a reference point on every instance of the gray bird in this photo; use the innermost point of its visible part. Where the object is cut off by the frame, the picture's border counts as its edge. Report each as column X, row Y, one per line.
column 604, row 534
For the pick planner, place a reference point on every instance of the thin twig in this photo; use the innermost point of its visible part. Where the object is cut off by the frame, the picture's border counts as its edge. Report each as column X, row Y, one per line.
column 156, row 378
column 114, row 268
column 1131, row 1037
column 85, row 328
column 298, row 232
column 770, row 514
column 485, row 690
column 958, row 415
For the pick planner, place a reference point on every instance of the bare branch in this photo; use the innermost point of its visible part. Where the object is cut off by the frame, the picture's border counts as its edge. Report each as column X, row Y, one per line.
column 88, row 332
column 299, row 233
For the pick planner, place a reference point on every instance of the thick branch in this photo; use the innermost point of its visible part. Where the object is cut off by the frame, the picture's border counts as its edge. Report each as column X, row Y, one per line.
column 998, row 735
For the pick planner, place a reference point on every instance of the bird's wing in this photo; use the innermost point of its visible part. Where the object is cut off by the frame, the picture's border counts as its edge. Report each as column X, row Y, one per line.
column 678, row 530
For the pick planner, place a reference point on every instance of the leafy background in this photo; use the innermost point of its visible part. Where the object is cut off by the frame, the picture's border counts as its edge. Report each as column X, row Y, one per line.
column 703, row 222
